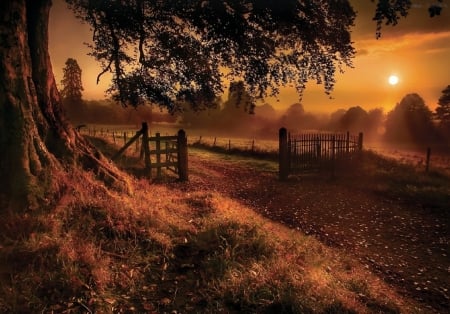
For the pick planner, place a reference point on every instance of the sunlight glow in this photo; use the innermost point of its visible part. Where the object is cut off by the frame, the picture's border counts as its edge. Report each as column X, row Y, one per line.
column 393, row 80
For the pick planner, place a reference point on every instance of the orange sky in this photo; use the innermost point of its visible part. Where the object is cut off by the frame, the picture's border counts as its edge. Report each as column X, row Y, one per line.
column 417, row 50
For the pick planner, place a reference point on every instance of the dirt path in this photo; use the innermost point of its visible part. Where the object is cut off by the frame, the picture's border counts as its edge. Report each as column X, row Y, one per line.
column 406, row 248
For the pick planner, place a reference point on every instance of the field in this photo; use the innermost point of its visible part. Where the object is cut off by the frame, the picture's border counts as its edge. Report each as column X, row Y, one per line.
column 413, row 156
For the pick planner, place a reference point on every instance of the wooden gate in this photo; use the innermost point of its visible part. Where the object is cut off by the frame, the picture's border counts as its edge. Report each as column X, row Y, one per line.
column 169, row 152
column 306, row 152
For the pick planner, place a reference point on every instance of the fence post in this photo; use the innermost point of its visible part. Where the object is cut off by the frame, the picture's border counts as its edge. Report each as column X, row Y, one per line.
column 283, row 163
column 145, row 146
column 182, row 155
column 427, row 165
column 347, row 142
column 333, row 156
column 360, row 141
column 318, row 149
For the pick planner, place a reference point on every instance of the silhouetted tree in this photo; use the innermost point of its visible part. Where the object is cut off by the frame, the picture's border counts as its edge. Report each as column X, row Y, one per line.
column 238, row 97
column 354, row 120
column 72, row 87
column 71, row 91
column 443, row 115
column 184, row 46
column 335, row 118
column 443, row 108
column 293, row 117
column 410, row 121
column 266, row 111
column 200, row 119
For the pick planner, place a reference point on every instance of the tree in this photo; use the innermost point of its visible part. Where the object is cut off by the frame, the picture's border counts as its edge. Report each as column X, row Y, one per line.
column 237, row 111
column 72, row 86
column 293, row 117
column 354, row 120
column 71, row 91
column 181, row 48
column 410, row 121
column 335, row 118
column 35, row 139
column 443, row 108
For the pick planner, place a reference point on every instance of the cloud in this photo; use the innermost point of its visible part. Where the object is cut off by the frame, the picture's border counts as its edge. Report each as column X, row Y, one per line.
column 362, row 52
column 425, row 42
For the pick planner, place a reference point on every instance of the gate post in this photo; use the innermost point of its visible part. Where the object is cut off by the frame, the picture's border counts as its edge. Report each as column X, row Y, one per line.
column 283, row 155
column 145, row 147
column 182, row 155
column 158, row 155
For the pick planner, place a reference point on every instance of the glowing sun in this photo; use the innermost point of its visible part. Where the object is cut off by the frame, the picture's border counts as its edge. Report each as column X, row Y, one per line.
column 393, row 80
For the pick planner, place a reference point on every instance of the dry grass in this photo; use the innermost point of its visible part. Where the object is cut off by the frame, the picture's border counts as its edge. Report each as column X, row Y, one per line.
column 164, row 248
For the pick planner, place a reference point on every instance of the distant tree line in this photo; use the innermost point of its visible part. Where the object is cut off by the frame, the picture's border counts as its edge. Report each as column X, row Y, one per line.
column 410, row 122
column 107, row 111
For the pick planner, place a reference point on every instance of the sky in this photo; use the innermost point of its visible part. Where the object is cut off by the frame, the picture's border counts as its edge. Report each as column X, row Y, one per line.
column 417, row 51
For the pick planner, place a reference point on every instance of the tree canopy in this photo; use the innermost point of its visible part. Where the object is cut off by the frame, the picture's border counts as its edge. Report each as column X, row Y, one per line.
column 410, row 121
column 443, row 108
column 72, row 86
column 164, row 51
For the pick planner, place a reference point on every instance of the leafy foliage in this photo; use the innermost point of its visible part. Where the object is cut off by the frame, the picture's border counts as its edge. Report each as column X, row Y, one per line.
column 390, row 11
column 410, row 121
column 170, row 51
column 443, row 109
column 164, row 51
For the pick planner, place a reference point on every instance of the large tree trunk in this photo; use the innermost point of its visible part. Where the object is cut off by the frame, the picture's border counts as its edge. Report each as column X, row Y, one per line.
column 35, row 140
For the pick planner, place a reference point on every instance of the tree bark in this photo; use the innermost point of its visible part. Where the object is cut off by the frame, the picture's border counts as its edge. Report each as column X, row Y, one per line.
column 36, row 141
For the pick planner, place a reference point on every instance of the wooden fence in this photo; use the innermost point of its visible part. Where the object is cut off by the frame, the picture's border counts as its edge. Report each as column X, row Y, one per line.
column 170, row 152
column 308, row 151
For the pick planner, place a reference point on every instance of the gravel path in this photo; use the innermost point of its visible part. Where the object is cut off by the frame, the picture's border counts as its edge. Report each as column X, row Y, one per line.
column 407, row 248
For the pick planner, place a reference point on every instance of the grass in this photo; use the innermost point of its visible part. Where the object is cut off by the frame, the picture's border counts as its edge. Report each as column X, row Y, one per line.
column 386, row 176
column 407, row 183
column 256, row 153
column 165, row 248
